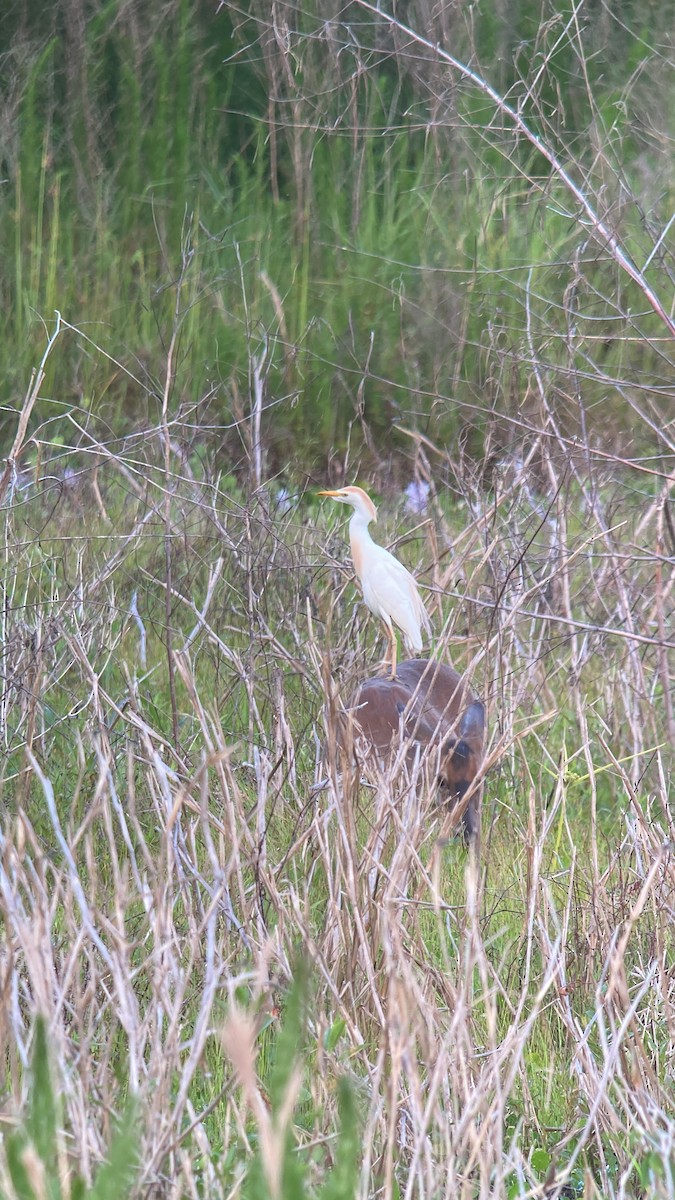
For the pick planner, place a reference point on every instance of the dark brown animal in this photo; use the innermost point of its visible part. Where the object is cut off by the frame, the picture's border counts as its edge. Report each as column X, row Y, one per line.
column 432, row 706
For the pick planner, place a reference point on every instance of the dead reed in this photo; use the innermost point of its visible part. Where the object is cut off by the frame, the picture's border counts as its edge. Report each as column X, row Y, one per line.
column 178, row 829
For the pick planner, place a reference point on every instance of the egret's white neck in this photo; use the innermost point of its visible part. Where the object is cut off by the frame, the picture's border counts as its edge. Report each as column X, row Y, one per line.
column 358, row 527
column 359, row 521
column 359, row 537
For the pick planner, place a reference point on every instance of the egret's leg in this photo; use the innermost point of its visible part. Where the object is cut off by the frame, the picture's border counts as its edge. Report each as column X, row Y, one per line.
column 388, row 665
column 391, row 655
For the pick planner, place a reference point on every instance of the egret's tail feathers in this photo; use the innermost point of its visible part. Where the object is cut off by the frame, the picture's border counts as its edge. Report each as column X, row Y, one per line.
column 413, row 643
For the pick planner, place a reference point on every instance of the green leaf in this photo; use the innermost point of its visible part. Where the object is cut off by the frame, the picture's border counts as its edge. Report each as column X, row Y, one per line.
column 117, row 1174
column 15, row 1144
column 289, row 1038
column 332, row 1036
column 42, row 1122
column 78, row 1188
column 343, row 1179
column 541, row 1160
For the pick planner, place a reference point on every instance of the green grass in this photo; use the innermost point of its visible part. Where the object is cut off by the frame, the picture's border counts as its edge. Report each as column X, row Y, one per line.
column 383, row 280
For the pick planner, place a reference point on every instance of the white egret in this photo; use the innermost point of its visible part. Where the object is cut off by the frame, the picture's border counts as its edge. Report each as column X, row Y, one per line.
column 389, row 589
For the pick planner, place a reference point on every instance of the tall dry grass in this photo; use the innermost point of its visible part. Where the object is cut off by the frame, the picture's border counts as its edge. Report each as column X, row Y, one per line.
column 178, row 829
column 178, row 634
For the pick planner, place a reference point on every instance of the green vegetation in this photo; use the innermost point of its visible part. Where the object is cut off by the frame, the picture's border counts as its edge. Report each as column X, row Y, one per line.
column 243, row 256
column 379, row 268
column 35, row 1155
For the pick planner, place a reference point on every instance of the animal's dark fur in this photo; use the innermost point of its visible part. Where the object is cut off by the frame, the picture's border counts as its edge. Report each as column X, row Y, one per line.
column 432, row 705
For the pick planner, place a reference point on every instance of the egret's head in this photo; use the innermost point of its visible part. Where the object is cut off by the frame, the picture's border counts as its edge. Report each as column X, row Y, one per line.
column 359, row 500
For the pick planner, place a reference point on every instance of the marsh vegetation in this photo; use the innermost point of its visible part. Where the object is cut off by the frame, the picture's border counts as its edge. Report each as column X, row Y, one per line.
column 250, row 253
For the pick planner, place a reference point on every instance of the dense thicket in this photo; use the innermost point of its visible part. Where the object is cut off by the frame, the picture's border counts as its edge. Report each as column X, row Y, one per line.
column 343, row 209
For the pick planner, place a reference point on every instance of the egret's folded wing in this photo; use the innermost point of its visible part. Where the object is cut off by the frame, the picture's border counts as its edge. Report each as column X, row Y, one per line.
column 390, row 590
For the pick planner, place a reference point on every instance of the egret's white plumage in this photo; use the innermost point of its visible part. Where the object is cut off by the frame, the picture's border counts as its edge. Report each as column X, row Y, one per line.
column 389, row 589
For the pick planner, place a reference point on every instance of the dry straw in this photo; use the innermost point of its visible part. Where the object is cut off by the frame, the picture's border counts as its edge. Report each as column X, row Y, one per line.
column 179, row 827
column 150, row 882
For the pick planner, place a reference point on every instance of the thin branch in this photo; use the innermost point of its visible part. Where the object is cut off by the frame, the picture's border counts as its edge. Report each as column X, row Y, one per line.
column 600, row 230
